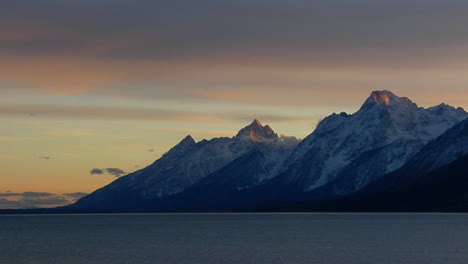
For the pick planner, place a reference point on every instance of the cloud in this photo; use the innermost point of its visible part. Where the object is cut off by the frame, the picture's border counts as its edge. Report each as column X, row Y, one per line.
column 115, row 172
column 9, row 194
column 45, row 157
column 69, row 133
column 75, row 195
column 96, row 171
column 103, row 112
column 278, row 118
column 289, row 140
column 172, row 30
column 180, row 49
column 5, row 203
column 37, row 199
column 111, row 171
column 4, row 138
column 204, row 133
column 7, row 157
column 32, row 195
column 37, row 194
column 43, row 202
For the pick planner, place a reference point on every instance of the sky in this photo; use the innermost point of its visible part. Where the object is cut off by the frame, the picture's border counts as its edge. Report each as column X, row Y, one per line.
column 93, row 89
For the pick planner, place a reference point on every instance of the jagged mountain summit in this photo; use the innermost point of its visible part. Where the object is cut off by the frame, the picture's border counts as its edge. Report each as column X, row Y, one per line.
column 256, row 131
column 187, row 163
column 354, row 150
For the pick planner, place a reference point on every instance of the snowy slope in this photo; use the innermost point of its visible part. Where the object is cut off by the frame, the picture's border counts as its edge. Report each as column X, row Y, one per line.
column 446, row 149
column 450, row 146
column 359, row 148
column 189, row 162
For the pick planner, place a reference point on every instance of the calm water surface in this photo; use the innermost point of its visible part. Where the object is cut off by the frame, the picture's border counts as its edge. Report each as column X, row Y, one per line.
column 235, row 238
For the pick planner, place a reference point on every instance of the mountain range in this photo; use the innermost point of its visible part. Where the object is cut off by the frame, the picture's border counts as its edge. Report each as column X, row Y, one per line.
column 390, row 147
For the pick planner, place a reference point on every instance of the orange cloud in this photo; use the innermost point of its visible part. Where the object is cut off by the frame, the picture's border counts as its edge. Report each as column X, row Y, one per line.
column 90, row 112
column 7, row 157
column 4, row 138
column 69, row 133
column 226, row 95
column 58, row 76
column 218, row 79
column 22, row 31
column 204, row 133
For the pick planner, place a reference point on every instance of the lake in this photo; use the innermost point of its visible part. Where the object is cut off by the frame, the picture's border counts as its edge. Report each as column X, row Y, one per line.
column 234, row 238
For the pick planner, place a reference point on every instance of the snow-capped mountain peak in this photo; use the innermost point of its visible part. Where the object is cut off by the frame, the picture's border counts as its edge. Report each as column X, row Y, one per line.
column 379, row 138
column 188, row 162
column 257, row 132
column 389, row 100
column 383, row 97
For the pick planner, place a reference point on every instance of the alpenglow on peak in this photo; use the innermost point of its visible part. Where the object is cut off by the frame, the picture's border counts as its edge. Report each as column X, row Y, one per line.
column 257, row 131
column 386, row 98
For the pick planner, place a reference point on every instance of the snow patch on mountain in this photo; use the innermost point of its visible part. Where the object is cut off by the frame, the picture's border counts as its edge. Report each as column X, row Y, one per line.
column 450, row 146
